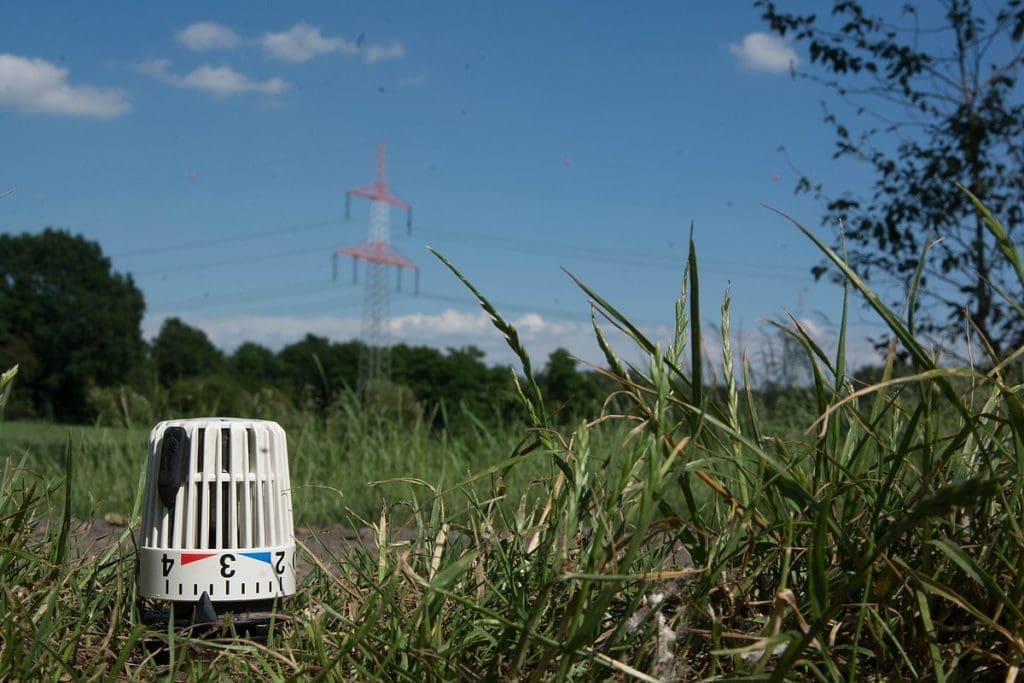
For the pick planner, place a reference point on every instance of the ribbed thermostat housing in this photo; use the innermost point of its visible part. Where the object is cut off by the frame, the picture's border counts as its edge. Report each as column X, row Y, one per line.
column 217, row 512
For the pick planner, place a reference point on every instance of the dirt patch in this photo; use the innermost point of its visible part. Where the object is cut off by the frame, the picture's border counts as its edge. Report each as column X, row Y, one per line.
column 328, row 544
column 332, row 544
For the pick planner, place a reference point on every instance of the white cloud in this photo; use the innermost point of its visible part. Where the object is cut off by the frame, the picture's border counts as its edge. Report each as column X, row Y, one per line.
column 377, row 53
column 155, row 68
column 226, row 81
column 413, row 81
column 302, row 42
column 38, row 86
column 207, row 35
column 447, row 323
column 765, row 53
column 221, row 80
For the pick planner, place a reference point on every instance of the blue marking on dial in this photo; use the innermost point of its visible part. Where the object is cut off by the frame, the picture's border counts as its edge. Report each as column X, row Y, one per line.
column 262, row 557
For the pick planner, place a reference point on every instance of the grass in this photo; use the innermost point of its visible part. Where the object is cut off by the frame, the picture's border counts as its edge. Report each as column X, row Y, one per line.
column 885, row 544
column 337, row 469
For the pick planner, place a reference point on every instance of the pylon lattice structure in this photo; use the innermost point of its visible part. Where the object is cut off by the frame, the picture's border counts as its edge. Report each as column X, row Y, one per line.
column 375, row 361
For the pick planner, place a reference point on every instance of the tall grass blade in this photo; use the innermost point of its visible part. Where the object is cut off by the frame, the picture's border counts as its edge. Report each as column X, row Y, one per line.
column 995, row 226
column 840, row 362
column 915, row 284
column 931, row 635
column 947, row 593
column 631, row 330
column 944, row 500
column 906, row 337
column 1010, row 300
column 696, row 339
column 614, row 364
column 511, row 335
column 6, row 384
column 979, row 575
column 60, row 550
column 817, row 579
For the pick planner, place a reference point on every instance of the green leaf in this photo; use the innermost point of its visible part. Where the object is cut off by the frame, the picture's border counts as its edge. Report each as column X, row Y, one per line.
column 935, row 587
column 446, row 577
column 980, row 576
column 565, row 468
column 931, row 634
column 818, row 559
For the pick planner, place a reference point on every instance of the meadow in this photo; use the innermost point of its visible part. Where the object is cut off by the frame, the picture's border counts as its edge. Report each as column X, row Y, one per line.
column 338, row 469
column 678, row 535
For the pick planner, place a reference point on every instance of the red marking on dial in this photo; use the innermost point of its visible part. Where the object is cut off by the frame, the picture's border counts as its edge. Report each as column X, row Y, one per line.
column 189, row 558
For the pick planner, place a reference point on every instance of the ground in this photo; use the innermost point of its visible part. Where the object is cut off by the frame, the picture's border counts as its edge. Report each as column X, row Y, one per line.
column 93, row 537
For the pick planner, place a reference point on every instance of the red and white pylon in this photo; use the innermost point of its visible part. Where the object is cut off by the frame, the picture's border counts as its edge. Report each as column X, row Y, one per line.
column 375, row 361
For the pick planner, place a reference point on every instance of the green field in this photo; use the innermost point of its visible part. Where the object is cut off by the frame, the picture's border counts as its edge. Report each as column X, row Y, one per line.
column 335, row 472
column 884, row 543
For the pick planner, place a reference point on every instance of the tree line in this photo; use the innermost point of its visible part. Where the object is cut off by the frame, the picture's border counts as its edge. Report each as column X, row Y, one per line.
column 73, row 325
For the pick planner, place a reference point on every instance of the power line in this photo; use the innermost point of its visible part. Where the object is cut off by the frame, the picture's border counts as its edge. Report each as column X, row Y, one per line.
column 476, row 238
column 244, row 260
column 327, row 305
column 226, row 239
column 614, row 256
column 261, row 293
column 675, row 261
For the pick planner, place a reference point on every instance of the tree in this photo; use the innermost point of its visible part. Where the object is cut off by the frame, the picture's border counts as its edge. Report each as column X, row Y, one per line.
column 316, row 369
column 68, row 319
column 466, row 377
column 933, row 101
column 559, row 379
column 255, row 366
column 181, row 350
column 420, row 368
column 457, row 378
column 570, row 392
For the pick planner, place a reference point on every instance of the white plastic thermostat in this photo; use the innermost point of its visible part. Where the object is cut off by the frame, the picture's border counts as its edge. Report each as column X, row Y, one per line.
column 217, row 513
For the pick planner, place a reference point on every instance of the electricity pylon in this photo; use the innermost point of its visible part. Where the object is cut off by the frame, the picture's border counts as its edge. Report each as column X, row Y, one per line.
column 375, row 360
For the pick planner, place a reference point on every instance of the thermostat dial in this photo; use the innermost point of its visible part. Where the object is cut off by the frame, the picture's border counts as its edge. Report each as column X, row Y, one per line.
column 231, row 575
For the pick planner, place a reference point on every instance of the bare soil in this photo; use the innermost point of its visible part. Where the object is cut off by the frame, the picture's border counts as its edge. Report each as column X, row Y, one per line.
column 329, row 544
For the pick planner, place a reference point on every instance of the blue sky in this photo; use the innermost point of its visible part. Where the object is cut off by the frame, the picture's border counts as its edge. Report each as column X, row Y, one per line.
column 208, row 147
